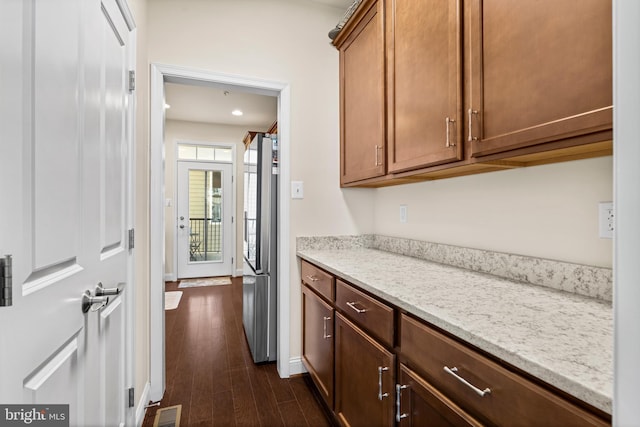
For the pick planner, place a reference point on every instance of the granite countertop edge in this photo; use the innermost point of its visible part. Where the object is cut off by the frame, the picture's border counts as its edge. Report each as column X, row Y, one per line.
column 464, row 329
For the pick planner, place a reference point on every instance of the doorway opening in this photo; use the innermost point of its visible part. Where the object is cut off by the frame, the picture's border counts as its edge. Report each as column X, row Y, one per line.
column 160, row 75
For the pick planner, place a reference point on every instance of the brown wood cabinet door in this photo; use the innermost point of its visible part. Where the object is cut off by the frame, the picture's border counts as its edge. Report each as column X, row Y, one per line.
column 540, row 71
column 317, row 342
column 362, row 100
column 364, row 378
column 421, row 404
column 424, row 83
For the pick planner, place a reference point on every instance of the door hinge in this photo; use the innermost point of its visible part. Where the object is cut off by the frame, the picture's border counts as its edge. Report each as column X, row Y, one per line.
column 132, row 238
column 132, row 80
column 131, row 397
column 6, row 282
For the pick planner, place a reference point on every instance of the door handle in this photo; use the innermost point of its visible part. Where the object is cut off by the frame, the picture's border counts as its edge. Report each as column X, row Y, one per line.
column 181, row 225
column 102, row 291
column 93, row 303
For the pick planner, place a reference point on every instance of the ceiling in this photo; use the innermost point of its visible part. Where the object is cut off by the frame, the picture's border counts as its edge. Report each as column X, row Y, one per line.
column 214, row 104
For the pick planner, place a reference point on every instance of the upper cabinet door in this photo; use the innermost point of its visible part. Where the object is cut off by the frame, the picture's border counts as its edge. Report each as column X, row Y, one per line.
column 540, row 72
column 424, row 58
column 362, row 139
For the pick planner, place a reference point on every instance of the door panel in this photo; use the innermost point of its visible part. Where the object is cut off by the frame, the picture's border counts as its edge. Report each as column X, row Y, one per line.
column 52, row 132
column 65, row 112
column 204, row 219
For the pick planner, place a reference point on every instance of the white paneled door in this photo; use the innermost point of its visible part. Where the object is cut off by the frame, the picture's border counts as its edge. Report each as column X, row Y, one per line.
column 65, row 178
column 204, row 223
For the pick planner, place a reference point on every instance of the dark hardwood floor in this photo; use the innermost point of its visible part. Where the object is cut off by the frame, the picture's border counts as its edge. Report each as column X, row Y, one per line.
column 211, row 374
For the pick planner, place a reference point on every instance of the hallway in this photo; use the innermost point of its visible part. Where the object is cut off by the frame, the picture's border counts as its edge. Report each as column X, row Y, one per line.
column 211, row 374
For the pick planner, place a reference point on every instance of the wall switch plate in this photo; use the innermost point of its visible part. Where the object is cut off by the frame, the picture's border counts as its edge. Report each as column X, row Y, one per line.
column 403, row 214
column 606, row 216
column 297, row 190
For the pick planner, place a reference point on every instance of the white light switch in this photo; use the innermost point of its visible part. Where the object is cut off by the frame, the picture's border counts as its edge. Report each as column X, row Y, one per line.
column 297, row 190
column 168, row 203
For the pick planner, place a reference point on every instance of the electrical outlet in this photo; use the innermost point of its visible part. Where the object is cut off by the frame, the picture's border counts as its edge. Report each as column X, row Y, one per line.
column 403, row 214
column 606, row 217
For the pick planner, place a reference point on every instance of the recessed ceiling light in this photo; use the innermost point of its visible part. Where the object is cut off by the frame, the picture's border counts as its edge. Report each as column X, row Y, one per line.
column 166, row 106
column 237, row 112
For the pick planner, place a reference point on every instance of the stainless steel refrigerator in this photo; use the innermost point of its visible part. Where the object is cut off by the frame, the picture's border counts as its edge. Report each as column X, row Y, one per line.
column 260, row 281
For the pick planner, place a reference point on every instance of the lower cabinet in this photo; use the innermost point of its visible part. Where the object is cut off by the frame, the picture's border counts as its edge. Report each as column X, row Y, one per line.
column 351, row 340
column 365, row 378
column 418, row 403
column 317, row 344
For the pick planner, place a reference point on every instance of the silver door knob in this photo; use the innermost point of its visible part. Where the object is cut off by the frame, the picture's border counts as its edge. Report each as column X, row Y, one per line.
column 181, row 225
column 102, row 291
column 181, row 218
column 93, row 303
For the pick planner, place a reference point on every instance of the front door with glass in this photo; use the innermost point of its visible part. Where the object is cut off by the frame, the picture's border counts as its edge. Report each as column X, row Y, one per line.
column 204, row 223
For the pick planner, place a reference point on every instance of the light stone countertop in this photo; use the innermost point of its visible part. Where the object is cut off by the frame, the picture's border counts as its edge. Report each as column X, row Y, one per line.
column 564, row 339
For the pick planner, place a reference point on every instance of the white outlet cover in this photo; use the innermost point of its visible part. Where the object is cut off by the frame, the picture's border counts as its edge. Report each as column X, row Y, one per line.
column 605, row 220
column 403, row 214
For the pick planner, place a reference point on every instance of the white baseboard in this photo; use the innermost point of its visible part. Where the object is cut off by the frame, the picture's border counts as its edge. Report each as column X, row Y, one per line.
column 296, row 366
column 140, row 410
column 170, row 277
column 238, row 272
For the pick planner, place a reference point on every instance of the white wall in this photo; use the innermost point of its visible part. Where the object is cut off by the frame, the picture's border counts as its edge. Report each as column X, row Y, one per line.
column 548, row 211
column 183, row 131
column 287, row 41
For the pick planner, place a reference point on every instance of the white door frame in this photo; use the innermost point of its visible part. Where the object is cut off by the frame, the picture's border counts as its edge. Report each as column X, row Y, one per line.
column 231, row 224
column 234, row 195
column 161, row 73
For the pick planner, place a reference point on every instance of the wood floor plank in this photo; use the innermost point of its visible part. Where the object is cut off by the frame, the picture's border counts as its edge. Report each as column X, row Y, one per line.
column 210, row 372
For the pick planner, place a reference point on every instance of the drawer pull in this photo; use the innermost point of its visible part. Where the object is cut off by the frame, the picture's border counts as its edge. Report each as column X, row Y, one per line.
column 352, row 304
column 324, row 333
column 381, row 369
column 399, row 414
column 481, row 393
column 313, row 278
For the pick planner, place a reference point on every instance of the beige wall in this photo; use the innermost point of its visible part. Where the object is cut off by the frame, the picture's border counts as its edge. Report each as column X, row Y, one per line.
column 546, row 211
column 207, row 133
column 285, row 41
column 141, row 357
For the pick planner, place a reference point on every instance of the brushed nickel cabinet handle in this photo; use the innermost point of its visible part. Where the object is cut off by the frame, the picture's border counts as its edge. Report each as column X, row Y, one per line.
column 452, row 371
column 472, row 112
column 378, row 162
column 448, row 121
column 352, row 304
column 312, row 278
column 399, row 414
column 381, row 369
column 324, row 333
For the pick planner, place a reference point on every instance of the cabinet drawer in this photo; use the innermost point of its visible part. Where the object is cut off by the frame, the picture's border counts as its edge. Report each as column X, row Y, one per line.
column 317, row 280
column 367, row 312
column 511, row 396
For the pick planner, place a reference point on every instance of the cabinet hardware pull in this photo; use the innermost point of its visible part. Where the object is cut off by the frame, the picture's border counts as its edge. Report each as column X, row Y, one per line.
column 399, row 414
column 312, row 278
column 481, row 393
column 378, row 163
column 324, row 333
column 352, row 304
column 381, row 395
column 472, row 112
column 448, row 121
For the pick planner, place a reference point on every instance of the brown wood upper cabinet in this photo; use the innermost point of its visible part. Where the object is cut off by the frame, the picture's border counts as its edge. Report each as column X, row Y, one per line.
column 424, row 83
column 362, row 98
column 539, row 72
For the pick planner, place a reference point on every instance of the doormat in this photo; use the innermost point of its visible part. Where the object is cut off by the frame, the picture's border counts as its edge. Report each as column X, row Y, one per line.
column 168, row 417
column 211, row 281
column 172, row 299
